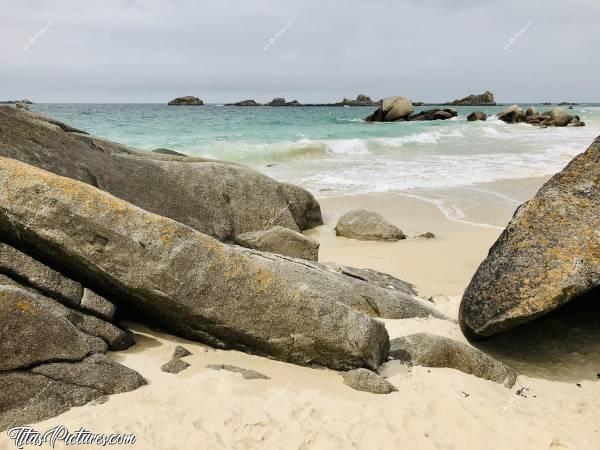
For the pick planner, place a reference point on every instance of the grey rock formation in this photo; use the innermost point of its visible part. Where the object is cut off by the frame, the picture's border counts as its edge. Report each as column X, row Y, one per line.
column 392, row 109
column 29, row 272
column 35, row 329
column 44, row 364
column 368, row 381
column 512, row 114
column 277, row 101
column 282, row 241
column 477, row 115
column 361, row 100
column 97, row 305
column 219, row 199
column 367, row 226
column 248, row 374
column 191, row 284
column 485, row 99
column 188, row 100
column 428, row 235
column 430, row 350
column 244, row 103
column 531, row 111
column 548, row 255
column 181, row 352
column 433, row 114
column 175, row 366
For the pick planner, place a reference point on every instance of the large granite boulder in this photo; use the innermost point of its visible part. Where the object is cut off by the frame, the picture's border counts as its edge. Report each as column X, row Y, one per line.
column 188, row 100
column 282, row 241
column 217, row 198
column 430, row 350
column 367, row 226
column 192, row 285
column 50, row 361
column 392, row 109
column 485, row 99
column 548, row 255
column 477, row 115
column 512, row 114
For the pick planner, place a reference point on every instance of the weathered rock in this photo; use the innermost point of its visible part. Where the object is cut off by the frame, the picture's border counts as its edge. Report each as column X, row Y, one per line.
column 219, row 199
column 278, row 101
column 96, row 372
column 97, row 305
column 244, row 103
column 181, row 352
column 20, row 105
column 531, row 111
column 166, row 151
column 44, row 364
column 428, row 235
column 548, row 255
column 512, row 114
column 175, row 366
column 380, row 279
column 430, row 350
column 188, row 100
column 485, row 99
column 368, row 381
column 477, row 115
column 282, row 241
column 391, row 110
column 248, row 374
column 34, row 330
column 361, row 100
column 559, row 117
column 191, row 284
column 367, row 226
column 51, row 389
column 30, row 272
column 396, row 108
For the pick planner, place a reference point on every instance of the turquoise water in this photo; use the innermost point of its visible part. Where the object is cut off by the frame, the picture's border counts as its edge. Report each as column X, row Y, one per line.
column 331, row 151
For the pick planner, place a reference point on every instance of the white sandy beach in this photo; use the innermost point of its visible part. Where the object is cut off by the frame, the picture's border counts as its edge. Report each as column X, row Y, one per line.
column 305, row 408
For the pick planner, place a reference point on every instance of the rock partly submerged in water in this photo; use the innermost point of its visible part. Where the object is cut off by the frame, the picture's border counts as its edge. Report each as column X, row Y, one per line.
column 168, row 274
column 392, row 109
column 282, row 241
column 217, row 198
column 477, row 115
column 558, row 117
column 367, row 226
column 368, row 381
column 548, row 255
column 244, row 103
column 430, row 350
column 188, row 100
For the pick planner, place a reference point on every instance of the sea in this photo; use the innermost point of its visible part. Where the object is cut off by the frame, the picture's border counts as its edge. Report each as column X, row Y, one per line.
column 477, row 172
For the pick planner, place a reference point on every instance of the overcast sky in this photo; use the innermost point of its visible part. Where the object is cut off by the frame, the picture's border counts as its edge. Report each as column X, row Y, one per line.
column 312, row 50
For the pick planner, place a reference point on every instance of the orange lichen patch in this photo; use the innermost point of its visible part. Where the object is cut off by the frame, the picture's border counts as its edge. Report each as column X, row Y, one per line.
column 26, row 307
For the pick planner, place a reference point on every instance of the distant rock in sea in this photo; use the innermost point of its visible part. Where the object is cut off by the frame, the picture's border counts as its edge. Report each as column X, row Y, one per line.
column 186, row 101
column 13, row 102
column 278, row 101
column 485, row 99
column 244, row 103
column 547, row 256
column 361, row 100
